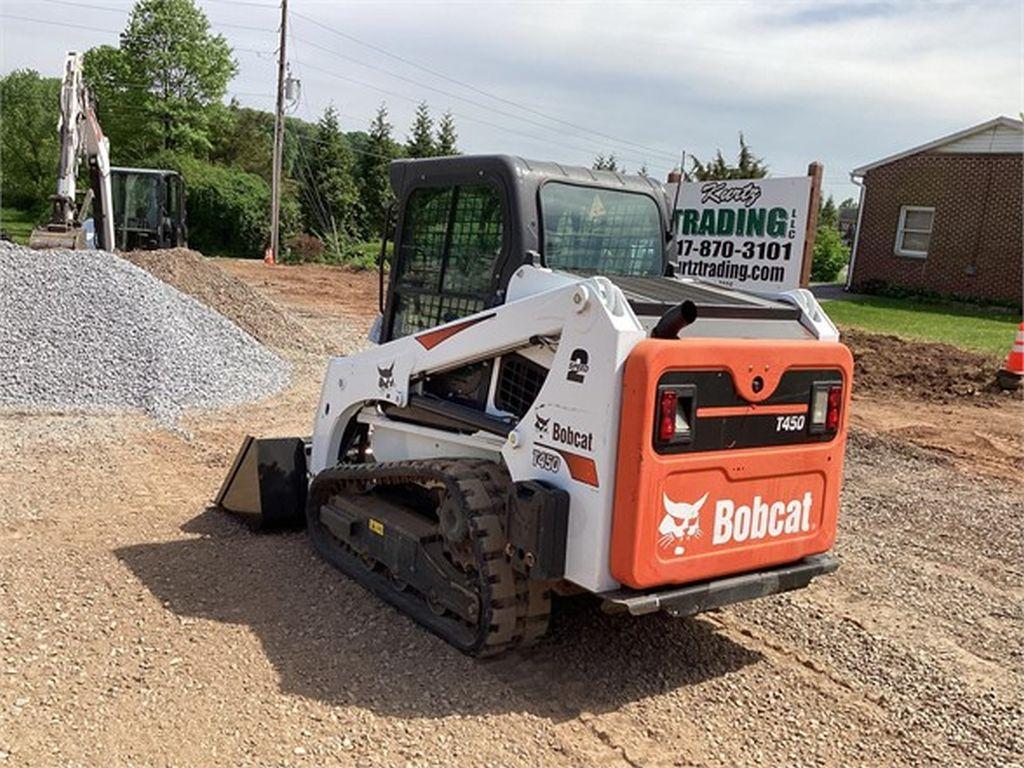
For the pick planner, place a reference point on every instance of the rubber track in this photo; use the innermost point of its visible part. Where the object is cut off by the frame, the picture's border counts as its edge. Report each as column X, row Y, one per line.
column 513, row 611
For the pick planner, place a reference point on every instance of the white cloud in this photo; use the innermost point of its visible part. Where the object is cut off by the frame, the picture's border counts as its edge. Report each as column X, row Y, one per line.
column 841, row 82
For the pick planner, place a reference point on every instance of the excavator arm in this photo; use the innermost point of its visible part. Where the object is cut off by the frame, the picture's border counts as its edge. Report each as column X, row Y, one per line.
column 80, row 135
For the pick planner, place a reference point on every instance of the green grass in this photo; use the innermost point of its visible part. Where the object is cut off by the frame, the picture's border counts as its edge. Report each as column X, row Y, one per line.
column 17, row 224
column 990, row 331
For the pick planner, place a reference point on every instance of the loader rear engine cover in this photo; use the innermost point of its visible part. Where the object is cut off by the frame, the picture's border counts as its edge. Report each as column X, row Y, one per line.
column 548, row 409
column 747, row 476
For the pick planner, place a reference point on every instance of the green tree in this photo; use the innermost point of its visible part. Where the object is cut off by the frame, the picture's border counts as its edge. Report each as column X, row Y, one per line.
column 748, row 166
column 374, row 184
column 831, row 254
column 447, row 136
column 828, row 216
column 609, row 163
column 170, row 69
column 421, row 137
column 29, row 146
column 243, row 138
column 331, row 199
column 121, row 106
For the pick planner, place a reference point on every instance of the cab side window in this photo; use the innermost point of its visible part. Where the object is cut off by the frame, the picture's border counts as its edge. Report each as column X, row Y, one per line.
column 448, row 256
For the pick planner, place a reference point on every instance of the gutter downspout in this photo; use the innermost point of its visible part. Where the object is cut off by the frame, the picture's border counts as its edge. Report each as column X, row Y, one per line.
column 856, row 233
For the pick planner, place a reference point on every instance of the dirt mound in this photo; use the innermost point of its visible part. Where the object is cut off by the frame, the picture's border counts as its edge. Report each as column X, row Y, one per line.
column 919, row 370
column 191, row 273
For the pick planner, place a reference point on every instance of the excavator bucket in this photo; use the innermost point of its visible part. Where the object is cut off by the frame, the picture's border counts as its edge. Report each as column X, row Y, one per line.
column 266, row 485
column 66, row 238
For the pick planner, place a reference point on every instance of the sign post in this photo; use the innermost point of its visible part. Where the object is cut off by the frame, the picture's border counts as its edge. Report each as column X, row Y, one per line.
column 751, row 234
column 815, row 170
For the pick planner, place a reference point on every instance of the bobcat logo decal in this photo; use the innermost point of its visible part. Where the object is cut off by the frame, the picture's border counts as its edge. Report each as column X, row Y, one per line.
column 541, row 425
column 385, row 377
column 680, row 523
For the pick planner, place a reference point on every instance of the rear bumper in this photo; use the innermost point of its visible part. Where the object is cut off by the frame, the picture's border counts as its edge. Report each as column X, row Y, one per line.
column 703, row 596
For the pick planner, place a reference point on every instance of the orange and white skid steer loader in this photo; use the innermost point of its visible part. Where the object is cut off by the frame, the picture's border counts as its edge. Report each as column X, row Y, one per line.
column 548, row 409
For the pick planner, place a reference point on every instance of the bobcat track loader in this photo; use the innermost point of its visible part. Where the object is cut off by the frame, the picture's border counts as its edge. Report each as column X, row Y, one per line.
column 548, row 410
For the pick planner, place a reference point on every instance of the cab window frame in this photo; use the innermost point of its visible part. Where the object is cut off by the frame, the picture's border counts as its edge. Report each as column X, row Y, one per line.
column 660, row 241
column 489, row 296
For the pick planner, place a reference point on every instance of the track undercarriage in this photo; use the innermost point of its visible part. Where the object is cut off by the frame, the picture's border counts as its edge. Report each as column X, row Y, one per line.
column 429, row 538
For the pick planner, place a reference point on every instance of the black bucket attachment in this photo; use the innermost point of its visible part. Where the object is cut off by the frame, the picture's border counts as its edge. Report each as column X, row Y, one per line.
column 267, row 483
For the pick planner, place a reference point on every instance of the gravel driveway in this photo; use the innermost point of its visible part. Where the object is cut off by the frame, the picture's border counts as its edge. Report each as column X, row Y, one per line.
column 139, row 628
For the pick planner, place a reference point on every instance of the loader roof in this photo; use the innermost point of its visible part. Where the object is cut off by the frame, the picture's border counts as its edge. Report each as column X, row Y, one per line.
column 528, row 175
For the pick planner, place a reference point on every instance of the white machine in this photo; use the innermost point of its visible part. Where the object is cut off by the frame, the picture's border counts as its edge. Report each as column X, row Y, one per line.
column 550, row 410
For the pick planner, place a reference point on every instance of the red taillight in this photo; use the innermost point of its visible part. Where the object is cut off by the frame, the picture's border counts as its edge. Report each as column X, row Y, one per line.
column 667, row 415
column 835, row 401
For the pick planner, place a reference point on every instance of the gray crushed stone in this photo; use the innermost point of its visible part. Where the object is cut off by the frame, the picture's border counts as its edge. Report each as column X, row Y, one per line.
column 88, row 330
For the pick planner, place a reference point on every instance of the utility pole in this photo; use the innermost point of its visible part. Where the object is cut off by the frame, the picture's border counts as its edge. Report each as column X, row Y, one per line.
column 275, row 191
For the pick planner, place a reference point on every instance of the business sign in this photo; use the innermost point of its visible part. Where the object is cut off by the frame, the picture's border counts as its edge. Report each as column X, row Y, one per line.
column 746, row 234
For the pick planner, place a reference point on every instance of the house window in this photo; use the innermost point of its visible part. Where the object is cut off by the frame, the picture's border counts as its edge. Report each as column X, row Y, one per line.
column 915, row 231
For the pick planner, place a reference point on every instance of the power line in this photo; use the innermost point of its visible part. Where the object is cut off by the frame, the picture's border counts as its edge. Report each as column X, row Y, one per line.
column 585, row 150
column 245, row 2
column 420, row 84
column 70, row 25
column 112, row 9
column 480, row 91
column 55, row 23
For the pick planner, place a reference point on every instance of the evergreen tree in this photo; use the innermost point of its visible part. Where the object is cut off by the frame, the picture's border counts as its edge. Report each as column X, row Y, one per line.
column 375, row 186
column 642, row 171
column 609, row 163
column 421, row 138
column 828, row 216
column 330, row 200
column 748, row 166
column 848, row 204
column 447, row 136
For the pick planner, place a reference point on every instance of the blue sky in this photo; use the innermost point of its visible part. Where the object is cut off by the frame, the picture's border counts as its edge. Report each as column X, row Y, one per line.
column 840, row 82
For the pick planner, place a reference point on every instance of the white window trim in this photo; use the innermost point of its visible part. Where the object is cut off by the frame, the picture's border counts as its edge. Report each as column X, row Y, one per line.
column 901, row 229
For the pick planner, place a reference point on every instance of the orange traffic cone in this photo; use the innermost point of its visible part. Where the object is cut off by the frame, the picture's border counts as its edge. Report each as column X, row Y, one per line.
column 268, row 257
column 1013, row 369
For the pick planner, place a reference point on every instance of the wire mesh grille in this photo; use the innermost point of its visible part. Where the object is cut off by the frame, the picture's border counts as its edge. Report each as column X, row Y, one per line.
column 423, row 241
column 601, row 231
column 451, row 242
column 418, row 311
column 519, row 383
column 474, row 241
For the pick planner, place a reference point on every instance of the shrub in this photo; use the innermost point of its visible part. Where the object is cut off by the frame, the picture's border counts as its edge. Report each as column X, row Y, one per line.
column 305, row 247
column 831, row 254
column 228, row 209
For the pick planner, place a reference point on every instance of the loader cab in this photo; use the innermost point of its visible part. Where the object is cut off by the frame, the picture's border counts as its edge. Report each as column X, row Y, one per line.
column 466, row 224
column 149, row 208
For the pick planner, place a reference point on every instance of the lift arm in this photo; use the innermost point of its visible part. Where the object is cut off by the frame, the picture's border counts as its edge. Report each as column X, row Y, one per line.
column 80, row 134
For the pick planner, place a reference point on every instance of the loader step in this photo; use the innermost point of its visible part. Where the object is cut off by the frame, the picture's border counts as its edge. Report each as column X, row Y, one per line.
column 695, row 598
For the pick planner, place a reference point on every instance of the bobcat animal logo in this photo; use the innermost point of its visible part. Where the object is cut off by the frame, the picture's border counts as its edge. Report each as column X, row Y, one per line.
column 541, row 425
column 680, row 523
column 385, row 377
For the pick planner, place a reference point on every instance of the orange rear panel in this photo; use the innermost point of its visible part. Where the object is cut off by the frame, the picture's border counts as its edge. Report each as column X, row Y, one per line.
column 718, row 509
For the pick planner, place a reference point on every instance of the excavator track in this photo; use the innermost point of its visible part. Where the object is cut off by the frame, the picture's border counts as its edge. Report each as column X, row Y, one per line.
column 444, row 564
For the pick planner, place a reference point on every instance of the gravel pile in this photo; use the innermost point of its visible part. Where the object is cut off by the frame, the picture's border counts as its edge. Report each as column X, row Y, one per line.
column 86, row 329
column 191, row 273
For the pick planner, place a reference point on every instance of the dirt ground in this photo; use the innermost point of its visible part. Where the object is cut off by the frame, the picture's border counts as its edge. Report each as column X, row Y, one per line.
column 139, row 627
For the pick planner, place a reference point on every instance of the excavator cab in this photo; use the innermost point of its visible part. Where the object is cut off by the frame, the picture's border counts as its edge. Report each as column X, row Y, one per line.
column 149, row 209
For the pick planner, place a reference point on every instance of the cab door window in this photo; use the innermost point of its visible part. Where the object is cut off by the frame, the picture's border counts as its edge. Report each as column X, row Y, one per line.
column 448, row 256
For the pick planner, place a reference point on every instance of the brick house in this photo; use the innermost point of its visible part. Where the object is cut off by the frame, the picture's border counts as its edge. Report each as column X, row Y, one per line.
column 945, row 217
